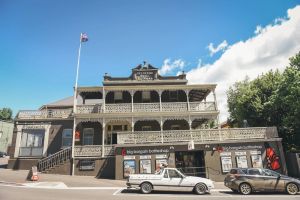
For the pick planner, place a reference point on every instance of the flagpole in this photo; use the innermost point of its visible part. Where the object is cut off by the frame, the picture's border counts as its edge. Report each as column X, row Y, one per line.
column 75, row 107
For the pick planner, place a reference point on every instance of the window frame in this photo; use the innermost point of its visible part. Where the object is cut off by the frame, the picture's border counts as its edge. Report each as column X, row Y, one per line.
column 63, row 137
column 84, row 135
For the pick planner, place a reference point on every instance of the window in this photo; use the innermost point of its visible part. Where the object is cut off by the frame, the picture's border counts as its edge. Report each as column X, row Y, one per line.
column 117, row 128
column 253, row 172
column 146, row 128
column 175, row 127
column 174, row 174
column 267, row 172
column 67, row 138
column 146, row 96
column 88, row 136
column 173, row 95
column 32, row 138
column 118, row 96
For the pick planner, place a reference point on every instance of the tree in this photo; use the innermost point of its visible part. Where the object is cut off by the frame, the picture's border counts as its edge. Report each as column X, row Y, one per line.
column 272, row 99
column 5, row 114
column 252, row 100
column 287, row 101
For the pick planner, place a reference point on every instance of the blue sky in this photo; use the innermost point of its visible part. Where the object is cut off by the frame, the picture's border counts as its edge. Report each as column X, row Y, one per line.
column 39, row 40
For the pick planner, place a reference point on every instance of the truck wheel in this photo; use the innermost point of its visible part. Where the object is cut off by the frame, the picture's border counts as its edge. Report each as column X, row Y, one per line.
column 146, row 188
column 292, row 188
column 200, row 188
column 245, row 188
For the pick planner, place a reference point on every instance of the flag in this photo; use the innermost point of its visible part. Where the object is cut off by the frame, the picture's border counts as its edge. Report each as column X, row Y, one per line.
column 83, row 37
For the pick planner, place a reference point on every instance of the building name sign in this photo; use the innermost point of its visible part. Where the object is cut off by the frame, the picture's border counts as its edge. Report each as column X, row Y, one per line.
column 36, row 126
column 144, row 150
column 228, row 148
column 144, row 75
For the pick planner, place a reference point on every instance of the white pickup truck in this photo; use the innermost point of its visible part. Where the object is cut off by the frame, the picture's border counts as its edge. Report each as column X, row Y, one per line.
column 169, row 178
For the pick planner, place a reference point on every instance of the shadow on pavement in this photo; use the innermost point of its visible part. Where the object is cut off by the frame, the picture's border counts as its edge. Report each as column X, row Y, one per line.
column 136, row 191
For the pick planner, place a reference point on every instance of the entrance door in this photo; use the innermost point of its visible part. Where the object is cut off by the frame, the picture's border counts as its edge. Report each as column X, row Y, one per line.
column 191, row 163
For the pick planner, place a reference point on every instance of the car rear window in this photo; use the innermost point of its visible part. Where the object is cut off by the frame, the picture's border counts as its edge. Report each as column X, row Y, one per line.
column 237, row 171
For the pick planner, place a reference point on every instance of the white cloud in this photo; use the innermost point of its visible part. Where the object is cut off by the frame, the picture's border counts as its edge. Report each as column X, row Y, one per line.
column 221, row 47
column 268, row 49
column 170, row 66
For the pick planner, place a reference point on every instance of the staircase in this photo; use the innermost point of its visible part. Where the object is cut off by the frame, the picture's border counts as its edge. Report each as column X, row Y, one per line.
column 54, row 160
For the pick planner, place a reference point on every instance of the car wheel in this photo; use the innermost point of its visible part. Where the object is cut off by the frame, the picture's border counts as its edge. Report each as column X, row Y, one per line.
column 146, row 188
column 200, row 188
column 245, row 188
column 292, row 188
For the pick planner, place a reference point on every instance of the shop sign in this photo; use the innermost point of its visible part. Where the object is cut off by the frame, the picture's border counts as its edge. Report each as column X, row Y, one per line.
column 160, row 156
column 145, row 157
column 225, row 154
column 255, row 152
column 244, row 147
column 241, row 161
column 240, row 153
column 145, row 166
column 144, row 150
column 128, row 167
column 226, row 164
column 86, row 165
column 77, row 136
column 256, row 161
column 191, row 145
column 129, row 157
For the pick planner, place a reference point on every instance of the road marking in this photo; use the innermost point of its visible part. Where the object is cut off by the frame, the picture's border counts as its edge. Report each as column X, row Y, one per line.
column 116, row 192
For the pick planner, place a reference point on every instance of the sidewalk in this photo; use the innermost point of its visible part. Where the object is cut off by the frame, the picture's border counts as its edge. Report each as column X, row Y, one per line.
column 19, row 176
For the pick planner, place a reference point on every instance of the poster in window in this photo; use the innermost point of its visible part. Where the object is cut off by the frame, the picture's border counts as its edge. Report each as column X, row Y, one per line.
column 145, row 166
column 256, row 161
column 241, row 162
column 226, row 164
column 159, row 163
column 129, row 167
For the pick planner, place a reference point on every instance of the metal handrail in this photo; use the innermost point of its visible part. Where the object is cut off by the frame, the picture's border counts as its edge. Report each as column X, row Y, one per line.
column 54, row 159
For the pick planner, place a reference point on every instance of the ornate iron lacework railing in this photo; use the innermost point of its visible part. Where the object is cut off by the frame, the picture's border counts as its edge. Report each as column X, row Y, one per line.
column 147, row 107
column 43, row 114
column 93, row 151
column 55, row 159
column 200, row 135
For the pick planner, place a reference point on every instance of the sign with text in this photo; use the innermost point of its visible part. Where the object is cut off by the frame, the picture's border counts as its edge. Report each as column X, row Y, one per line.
column 124, row 151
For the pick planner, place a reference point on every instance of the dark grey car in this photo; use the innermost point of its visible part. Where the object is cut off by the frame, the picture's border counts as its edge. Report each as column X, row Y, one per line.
column 250, row 180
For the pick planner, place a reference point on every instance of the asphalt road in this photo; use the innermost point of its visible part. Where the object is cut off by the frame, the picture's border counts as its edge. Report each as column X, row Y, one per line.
column 22, row 193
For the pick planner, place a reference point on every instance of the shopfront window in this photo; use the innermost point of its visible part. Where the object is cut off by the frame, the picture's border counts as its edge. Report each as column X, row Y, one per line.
column 67, row 138
column 88, row 136
column 32, row 143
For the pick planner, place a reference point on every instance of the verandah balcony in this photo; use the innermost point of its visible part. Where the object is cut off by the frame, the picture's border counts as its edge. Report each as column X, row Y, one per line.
column 147, row 107
column 44, row 114
column 178, row 136
column 198, row 136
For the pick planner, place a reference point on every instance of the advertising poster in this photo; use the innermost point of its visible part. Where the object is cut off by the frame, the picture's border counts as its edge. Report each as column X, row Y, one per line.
column 241, row 162
column 129, row 167
column 145, row 166
column 158, row 163
column 226, row 164
column 256, row 161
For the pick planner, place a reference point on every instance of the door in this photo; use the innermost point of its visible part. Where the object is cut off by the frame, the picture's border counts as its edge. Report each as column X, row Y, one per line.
column 273, row 181
column 255, row 178
column 171, row 178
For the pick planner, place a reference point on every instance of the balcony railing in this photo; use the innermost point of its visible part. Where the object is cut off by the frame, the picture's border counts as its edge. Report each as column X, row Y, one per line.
column 44, row 114
column 118, row 108
column 93, row 151
column 31, row 151
column 147, row 107
column 199, row 136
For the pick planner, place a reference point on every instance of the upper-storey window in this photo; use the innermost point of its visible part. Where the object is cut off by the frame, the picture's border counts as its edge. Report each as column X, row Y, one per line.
column 67, row 137
column 118, row 97
column 146, row 96
column 173, row 95
column 88, row 136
